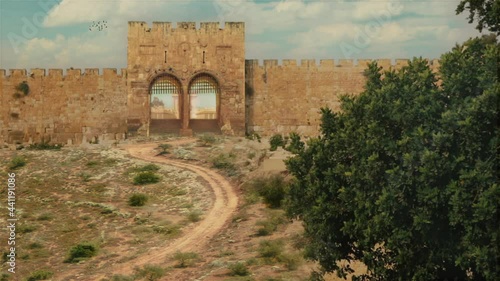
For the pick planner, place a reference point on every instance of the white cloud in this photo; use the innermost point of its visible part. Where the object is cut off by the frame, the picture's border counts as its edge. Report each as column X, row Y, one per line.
column 279, row 29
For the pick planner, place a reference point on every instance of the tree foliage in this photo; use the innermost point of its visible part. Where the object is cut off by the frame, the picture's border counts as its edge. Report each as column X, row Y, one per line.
column 486, row 12
column 404, row 179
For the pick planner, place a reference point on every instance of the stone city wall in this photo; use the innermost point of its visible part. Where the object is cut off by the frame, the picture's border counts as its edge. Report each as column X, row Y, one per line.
column 288, row 97
column 64, row 109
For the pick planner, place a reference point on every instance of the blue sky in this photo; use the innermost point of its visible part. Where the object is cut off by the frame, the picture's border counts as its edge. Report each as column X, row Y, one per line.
column 55, row 33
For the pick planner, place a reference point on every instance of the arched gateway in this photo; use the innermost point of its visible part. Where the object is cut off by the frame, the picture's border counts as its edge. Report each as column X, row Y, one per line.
column 165, row 101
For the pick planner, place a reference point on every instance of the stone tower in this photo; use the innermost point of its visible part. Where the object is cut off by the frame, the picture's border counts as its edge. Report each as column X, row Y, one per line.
column 175, row 59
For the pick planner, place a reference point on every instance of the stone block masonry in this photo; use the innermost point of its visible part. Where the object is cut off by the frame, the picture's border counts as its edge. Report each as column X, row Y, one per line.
column 288, row 97
column 59, row 108
column 266, row 98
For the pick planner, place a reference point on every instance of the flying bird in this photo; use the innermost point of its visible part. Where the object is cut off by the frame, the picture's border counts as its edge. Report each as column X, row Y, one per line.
column 99, row 25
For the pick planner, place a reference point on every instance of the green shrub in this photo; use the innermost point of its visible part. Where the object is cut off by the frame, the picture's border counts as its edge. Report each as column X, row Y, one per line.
column 137, row 200
column 251, row 155
column 45, row 146
column 271, row 249
column 207, row 140
column 146, row 178
column 170, row 230
column 145, row 168
column 86, row 177
column 45, row 217
column 296, row 145
column 291, row 261
column 267, row 227
column 119, row 277
column 150, row 272
column 239, row 269
column 164, row 148
column 35, row 245
column 81, row 251
column 92, row 163
column 40, row 274
column 23, row 87
column 149, row 168
column 276, row 141
column 17, row 162
column 194, row 215
column 26, row 228
column 225, row 162
column 185, row 259
column 273, row 189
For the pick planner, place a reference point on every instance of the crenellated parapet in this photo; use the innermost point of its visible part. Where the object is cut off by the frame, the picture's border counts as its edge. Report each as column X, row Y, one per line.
column 141, row 28
column 35, row 73
column 331, row 64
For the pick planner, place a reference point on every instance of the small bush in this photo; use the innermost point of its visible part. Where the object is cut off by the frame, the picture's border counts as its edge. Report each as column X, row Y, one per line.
column 150, row 272
column 35, row 245
column 291, row 261
column 17, row 96
column 45, row 146
column 85, row 177
column 223, row 161
column 145, row 168
column 207, row 140
column 273, row 189
column 239, row 269
column 271, row 249
column 149, row 168
column 194, row 215
column 17, row 162
column 164, row 148
column 185, row 259
column 267, row 227
column 40, row 274
column 276, row 141
column 137, row 200
column 146, row 178
column 23, row 87
column 296, row 145
column 170, row 231
column 92, row 163
column 26, row 228
column 81, row 251
column 45, row 217
column 119, row 277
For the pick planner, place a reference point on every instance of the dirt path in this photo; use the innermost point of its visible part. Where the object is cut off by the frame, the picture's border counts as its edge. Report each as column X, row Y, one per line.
column 225, row 204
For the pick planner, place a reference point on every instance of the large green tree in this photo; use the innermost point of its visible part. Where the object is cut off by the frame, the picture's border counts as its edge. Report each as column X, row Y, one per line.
column 485, row 12
column 405, row 178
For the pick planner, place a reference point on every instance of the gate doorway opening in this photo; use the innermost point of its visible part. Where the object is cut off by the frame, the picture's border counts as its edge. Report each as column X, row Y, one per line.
column 204, row 101
column 165, row 101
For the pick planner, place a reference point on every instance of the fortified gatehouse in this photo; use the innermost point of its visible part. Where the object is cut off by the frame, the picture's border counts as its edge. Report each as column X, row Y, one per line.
column 180, row 79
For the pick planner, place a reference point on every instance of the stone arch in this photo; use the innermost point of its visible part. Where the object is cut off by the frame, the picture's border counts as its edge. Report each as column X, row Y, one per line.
column 165, row 103
column 204, row 102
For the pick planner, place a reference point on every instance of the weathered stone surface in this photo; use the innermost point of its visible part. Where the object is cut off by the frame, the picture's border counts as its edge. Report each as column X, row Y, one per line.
column 81, row 106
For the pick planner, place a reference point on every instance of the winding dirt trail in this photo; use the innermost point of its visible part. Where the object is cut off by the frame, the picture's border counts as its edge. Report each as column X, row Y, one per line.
column 225, row 204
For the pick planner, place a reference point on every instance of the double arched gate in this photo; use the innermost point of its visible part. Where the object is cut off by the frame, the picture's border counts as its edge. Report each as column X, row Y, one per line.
column 195, row 107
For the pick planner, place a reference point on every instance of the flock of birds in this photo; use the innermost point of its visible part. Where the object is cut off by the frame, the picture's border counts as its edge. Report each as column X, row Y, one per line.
column 99, row 26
